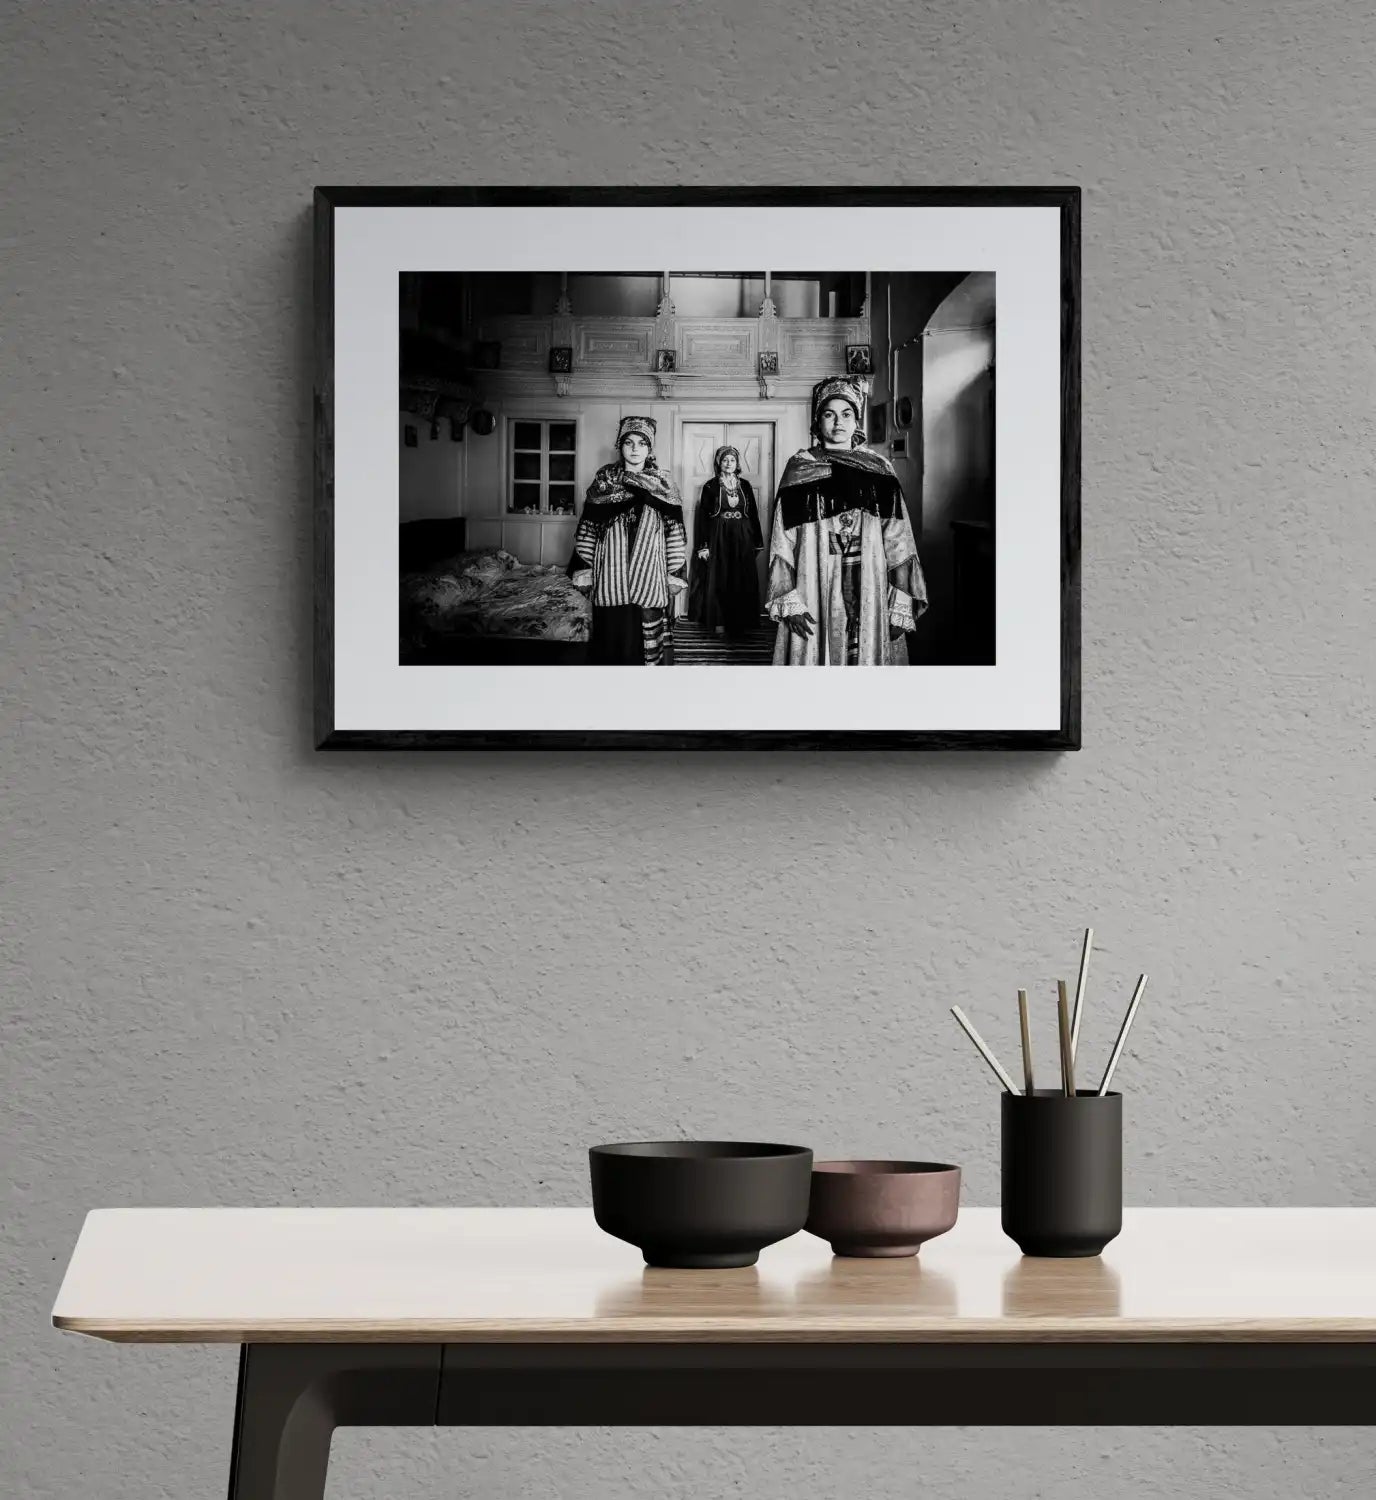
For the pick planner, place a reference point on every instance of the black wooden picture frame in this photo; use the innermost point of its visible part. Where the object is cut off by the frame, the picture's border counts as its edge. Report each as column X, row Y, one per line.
column 1066, row 736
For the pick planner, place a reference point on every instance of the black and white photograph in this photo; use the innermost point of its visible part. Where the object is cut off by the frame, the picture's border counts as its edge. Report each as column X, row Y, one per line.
column 716, row 469
column 623, row 522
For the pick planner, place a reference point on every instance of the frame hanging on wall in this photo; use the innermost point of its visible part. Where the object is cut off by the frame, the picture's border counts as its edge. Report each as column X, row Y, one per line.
column 498, row 593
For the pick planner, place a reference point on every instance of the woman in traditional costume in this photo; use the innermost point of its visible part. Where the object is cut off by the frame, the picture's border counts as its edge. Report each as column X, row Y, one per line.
column 725, row 592
column 630, row 552
column 845, row 583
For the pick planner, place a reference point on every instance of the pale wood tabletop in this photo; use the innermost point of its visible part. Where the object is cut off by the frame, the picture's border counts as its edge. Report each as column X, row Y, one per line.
column 486, row 1275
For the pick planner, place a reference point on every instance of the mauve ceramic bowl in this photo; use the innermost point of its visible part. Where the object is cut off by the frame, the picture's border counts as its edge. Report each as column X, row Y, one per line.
column 700, row 1204
column 882, row 1208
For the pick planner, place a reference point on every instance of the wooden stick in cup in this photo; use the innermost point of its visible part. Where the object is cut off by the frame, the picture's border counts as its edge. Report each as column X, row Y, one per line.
column 1122, row 1035
column 1027, row 1084
column 1080, row 993
column 1067, row 1051
column 984, row 1051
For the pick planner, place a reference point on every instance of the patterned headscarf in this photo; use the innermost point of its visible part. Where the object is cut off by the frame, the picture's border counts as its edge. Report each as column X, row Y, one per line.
column 641, row 426
column 844, row 388
column 721, row 454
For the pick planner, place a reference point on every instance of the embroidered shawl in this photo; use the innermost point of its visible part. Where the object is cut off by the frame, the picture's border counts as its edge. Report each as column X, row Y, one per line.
column 821, row 482
column 616, row 488
column 630, row 562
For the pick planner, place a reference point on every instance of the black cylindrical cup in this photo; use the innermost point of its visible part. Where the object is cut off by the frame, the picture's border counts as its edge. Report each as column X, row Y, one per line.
column 1062, row 1171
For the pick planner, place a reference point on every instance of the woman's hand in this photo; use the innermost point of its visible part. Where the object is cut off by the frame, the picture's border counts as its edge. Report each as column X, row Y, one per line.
column 704, row 552
column 800, row 625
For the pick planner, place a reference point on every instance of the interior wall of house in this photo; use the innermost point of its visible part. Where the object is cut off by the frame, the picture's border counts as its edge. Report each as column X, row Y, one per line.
column 957, row 351
column 900, row 309
column 549, row 539
column 237, row 971
column 613, row 295
column 430, row 476
column 637, row 296
column 544, row 539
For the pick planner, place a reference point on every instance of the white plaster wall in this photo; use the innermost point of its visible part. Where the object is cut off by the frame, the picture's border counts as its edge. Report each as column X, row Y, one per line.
column 430, row 475
column 238, row 972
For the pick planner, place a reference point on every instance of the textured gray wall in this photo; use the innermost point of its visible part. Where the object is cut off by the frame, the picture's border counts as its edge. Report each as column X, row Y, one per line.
column 237, row 972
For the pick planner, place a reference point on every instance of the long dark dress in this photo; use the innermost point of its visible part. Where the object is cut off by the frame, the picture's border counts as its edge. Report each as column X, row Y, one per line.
column 725, row 587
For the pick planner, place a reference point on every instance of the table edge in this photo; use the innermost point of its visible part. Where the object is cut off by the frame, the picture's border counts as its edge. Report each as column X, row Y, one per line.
column 670, row 1331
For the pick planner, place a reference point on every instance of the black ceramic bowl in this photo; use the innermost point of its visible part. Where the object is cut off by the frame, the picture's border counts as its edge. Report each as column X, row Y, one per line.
column 700, row 1204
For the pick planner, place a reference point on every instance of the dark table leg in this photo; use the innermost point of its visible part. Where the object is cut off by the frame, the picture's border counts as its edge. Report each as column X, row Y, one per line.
column 293, row 1396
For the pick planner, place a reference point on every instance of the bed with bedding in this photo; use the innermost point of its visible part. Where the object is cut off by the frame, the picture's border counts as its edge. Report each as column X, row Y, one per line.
column 486, row 608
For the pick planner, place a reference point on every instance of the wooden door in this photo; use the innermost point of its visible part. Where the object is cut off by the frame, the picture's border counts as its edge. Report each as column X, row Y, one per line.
column 700, row 443
column 755, row 441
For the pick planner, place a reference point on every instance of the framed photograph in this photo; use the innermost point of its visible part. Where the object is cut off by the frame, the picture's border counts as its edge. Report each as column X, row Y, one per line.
column 859, row 360
column 498, row 592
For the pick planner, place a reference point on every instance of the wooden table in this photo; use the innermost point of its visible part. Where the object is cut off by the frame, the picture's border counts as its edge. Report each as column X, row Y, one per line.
column 531, row 1316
